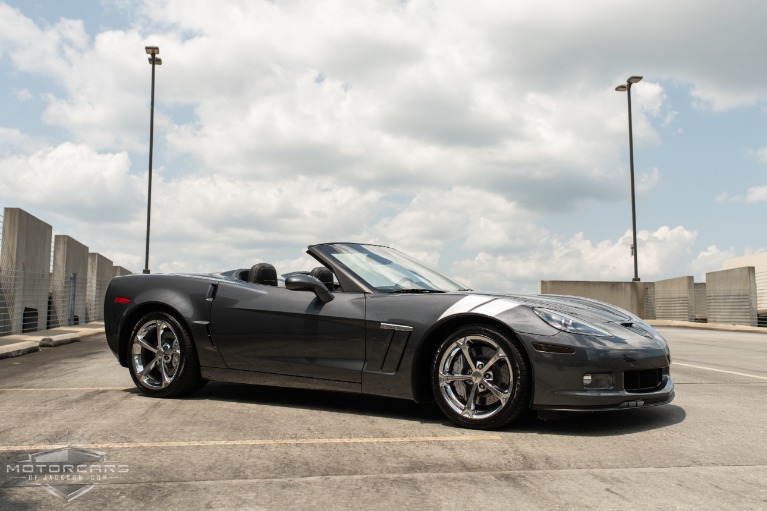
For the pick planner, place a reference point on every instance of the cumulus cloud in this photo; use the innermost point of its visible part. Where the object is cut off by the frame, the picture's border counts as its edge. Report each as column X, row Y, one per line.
column 550, row 257
column 281, row 124
column 708, row 260
column 72, row 180
column 756, row 194
column 14, row 141
column 753, row 195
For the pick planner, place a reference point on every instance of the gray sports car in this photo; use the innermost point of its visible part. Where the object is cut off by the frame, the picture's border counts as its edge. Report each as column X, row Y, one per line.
column 372, row 320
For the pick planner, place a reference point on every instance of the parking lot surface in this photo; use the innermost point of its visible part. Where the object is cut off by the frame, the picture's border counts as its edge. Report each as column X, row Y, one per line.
column 247, row 447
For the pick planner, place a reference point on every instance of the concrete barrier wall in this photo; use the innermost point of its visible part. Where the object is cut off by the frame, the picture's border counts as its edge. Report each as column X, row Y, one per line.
column 100, row 272
column 43, row 288
column 731, row 296
column 626, row 295
column 25, row 261
column 69, row 281
column 649, row 301
column 701, row 310
column 675, row 299
column 119, row 271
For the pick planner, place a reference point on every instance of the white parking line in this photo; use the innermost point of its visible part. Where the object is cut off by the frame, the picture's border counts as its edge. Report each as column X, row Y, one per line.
column 720, row 371
column 283, row 441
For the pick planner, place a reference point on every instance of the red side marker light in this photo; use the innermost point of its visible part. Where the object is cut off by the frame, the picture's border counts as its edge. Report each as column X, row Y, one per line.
column 120, row 299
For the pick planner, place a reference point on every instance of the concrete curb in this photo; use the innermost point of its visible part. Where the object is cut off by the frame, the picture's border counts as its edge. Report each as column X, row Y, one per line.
column 18, row 349
column 58, row 340
column 707, row 326
column 17, row 345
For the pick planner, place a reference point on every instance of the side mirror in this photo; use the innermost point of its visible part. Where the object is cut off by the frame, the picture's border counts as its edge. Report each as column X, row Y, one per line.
column 303, row 282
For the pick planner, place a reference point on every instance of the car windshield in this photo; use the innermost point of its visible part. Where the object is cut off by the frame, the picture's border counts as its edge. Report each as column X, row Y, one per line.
column 387, row 270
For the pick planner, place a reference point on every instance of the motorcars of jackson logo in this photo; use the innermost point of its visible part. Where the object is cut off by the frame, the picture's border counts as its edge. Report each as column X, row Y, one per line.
column 66, row 472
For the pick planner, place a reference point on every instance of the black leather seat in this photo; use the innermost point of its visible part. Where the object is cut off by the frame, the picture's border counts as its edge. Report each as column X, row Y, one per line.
column 263, row 273
column 325, row 276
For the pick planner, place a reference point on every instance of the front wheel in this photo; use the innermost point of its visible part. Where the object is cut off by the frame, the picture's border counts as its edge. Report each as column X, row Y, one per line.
column 480, row 378
column 162, row 358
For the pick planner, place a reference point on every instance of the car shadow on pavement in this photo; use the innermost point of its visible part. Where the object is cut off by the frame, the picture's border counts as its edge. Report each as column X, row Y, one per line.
column 320, row 400
column 608, row 423
column 595, row 424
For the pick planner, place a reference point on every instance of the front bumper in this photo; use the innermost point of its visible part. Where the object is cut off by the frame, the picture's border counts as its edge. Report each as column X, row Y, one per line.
column 605, row 400
column 558, row 378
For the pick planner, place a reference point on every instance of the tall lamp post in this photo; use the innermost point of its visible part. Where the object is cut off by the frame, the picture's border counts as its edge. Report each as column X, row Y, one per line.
column 154, row 60
column 627, row 89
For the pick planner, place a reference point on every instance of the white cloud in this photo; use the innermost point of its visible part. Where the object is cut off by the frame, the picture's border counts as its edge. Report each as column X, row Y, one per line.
column 13, row 141
column 662, row 253
column 756, row 194
column 442, row 128
column 709, row 260
column 23, row 95
column 753, row 195
column 646, row 181
column 760, row 154
column 72, row 181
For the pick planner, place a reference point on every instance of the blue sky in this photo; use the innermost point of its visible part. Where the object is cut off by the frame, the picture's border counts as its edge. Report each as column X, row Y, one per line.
column 484, row 138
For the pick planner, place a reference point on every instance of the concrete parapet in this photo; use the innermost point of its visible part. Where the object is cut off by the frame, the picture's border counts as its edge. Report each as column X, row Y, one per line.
column 25, row 262
column 69, row 281
column 100, row 272
column 631, row 296
column 731, row 296
column 701, row 309
column 675, row 299
column 119, row 271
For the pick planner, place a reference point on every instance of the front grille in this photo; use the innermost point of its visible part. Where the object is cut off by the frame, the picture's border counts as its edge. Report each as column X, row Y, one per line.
column 646, row 380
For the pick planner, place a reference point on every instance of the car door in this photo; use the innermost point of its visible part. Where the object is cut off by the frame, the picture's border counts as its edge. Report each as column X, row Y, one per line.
column 280, row 331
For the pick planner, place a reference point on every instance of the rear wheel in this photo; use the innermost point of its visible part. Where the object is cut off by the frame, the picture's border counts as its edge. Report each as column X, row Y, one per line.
column 162, row 358
column 480, row 378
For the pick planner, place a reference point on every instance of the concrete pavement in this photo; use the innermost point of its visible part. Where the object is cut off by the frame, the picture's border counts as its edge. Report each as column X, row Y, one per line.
column 21, row 344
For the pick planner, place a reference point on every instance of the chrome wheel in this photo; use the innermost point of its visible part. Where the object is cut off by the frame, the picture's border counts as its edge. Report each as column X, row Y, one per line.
column 475, row 377
column 481, row 378
column 156, row 354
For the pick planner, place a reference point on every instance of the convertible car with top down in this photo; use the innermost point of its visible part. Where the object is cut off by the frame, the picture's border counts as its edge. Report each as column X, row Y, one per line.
column 370, row 319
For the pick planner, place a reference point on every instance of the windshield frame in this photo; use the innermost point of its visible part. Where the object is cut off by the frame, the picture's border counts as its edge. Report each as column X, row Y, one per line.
column 383, row 269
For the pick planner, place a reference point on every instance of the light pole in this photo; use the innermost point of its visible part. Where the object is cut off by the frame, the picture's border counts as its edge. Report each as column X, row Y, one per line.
column 154, row 60
column 627, row 89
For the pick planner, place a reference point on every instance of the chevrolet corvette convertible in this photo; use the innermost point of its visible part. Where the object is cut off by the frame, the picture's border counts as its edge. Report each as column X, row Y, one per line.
column 369, row 319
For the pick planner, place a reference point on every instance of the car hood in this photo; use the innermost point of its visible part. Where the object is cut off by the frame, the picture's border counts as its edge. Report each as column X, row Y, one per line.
column 585, row 308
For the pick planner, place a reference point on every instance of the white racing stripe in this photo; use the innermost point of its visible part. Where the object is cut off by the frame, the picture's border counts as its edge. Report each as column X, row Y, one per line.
column 481, row 304
column 495, row 307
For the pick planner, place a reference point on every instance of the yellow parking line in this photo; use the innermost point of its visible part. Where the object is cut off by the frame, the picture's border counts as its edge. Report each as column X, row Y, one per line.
column 58, row 389
column 284, row 441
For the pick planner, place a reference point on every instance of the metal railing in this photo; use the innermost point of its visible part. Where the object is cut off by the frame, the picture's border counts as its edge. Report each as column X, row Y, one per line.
column 34, row 301
column 761, row 298
column 734, row 309
column 673, row 307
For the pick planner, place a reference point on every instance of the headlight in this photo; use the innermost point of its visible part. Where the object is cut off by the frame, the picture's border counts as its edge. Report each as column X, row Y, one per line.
column 566, row 323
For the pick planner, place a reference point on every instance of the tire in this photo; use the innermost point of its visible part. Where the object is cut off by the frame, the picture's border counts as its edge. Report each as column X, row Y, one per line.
column 162, row 359
column 480, row 378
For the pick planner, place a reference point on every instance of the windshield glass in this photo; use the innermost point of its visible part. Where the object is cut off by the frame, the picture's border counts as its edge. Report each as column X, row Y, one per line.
column 387, row 270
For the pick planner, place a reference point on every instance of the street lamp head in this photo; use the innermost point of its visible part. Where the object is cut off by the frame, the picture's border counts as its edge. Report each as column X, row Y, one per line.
column 155, row 60
column 634, row 79
column 621, row 88
column 152, row 50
